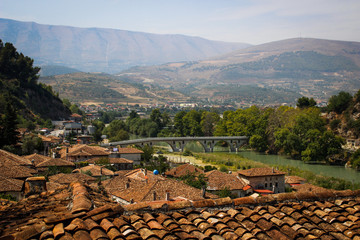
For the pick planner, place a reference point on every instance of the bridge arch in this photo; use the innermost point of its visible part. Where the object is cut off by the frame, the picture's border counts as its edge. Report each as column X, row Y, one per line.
column 178, row 143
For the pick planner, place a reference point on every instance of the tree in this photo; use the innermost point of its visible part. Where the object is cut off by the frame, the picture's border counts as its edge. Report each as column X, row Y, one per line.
column 191, row 123
column 116, row 131
column 66, row 102
column 258, row 143
column 156, row 117
column 32, row 143
column 148, row 153
column 179, row 124
column 208, row 122
column 99, row 127
column 339, row 103
column 199, row 181
column 75, row 109
column 304, row 102
column 8, row 124
column 133, row 114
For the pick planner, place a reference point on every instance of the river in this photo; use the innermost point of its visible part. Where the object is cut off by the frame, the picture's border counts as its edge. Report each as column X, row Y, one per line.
column 326, row 170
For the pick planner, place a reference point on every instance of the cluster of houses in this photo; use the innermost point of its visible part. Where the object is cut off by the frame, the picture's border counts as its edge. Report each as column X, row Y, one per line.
column 19, row 176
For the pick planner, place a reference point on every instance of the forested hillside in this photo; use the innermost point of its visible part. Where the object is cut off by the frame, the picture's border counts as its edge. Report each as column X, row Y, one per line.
column 22, row 99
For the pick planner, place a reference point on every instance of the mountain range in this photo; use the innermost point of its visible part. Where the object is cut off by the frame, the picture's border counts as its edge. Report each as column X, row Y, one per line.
column 302, row 66
column 159, row 67
column 105, row 50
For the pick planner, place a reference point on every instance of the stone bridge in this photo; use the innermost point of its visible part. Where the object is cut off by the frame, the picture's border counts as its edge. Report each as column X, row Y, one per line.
column 178, row 143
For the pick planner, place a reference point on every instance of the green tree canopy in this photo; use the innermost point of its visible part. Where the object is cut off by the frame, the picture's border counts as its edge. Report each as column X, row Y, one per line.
column 339, row 103
column 305, row 102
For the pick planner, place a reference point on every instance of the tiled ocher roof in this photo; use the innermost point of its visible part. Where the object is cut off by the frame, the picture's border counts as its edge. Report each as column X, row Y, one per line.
column 256, row 172
column 15, row 171
column 184, row 169
column 323, row 215
column 10, row 184
column 63, row 178
column 13, row 159
column 38, row 158
column 111, row 160
column 95, row 170
column 84, row 150
column 219, row 180
column 130, row 151
column 56, row 162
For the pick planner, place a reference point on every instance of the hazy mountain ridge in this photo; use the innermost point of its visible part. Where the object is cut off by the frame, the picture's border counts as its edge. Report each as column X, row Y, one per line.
column 90, row 88
column 312, row 67
column 105, row 50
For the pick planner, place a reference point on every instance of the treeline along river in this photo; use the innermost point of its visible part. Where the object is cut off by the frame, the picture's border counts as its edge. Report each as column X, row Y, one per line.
column 341, row 172
column 326, row 170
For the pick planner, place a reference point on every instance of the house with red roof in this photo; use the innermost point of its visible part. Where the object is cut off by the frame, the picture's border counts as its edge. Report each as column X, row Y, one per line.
column 183, row 170
column 133, row 154
column 218, row 181
column 264, row 179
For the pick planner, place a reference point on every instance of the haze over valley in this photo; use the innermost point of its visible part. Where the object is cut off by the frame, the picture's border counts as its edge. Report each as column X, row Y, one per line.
column 96, row 65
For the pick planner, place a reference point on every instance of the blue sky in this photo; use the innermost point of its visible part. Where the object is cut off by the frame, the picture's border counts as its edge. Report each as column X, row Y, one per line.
column 251, row 21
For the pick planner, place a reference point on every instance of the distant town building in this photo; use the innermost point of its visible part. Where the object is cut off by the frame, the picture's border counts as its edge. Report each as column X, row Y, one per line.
column 80, row 152
column 133, row 154
column 218, row 181
column 268, row 179
column 183, row 170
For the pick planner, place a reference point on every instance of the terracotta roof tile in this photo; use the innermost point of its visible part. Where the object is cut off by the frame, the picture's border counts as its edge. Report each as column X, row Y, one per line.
column 183, row 169
column 10, row 185
column 8, row 170
column 255, row 172
column 307, row 219
column 63, row 178
column 37, row 158
column 111, row 160
column 13, row 159
column 96, row 170
column 83, row 150
column 129, row 151
column 218, row 180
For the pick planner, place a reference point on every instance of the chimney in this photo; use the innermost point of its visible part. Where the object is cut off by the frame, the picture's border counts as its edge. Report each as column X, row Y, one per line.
column 34, row 185
column 67, row 151
column 273, row 170
column 154, row 196
column 127, row 185
column 203, row 194
column 167, row 195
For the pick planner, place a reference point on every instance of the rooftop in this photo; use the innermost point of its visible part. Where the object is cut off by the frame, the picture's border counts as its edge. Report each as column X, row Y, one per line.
column 96, row 170
column 10, row 184
column 84, row 150
column 258, row 172
column 182, row 170
column 38, row 158
column 82, row 213
column 129, row 151
column 13, row 159
column 56, row 162
column 111, row 160
column 219, row 180
column 63, row 178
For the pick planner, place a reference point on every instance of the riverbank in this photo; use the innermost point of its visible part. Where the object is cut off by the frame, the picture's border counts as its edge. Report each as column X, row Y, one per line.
column 234, row 162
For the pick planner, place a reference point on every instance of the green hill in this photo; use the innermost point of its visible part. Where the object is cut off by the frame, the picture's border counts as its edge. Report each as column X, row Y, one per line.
column 20, row 89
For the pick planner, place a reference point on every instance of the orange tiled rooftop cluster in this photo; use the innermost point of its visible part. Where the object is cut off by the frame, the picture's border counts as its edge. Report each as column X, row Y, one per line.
column 82, row 213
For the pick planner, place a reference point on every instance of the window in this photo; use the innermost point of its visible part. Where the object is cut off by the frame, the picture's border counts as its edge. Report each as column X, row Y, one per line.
column 271, row 185
column 265, row 185
column 276, row 184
